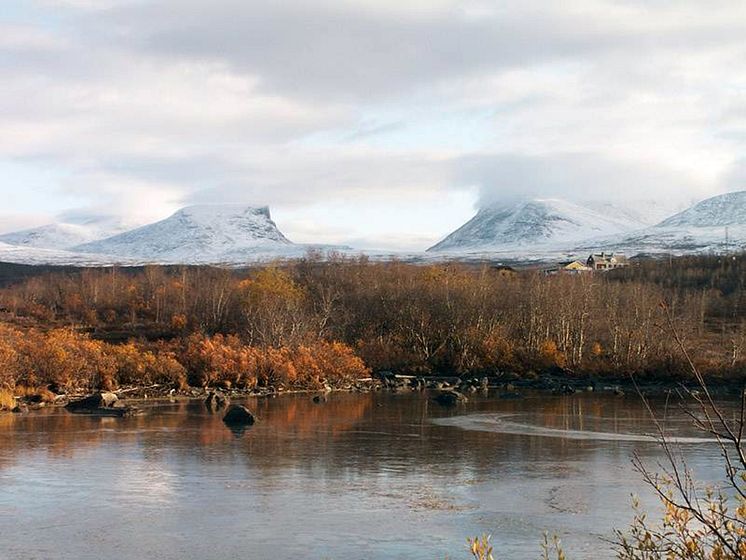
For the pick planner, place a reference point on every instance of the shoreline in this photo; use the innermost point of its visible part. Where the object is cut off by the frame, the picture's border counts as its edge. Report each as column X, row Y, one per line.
column 504, row 386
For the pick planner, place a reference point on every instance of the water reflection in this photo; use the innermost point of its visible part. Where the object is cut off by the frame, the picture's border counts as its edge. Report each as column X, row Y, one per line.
column 360, row 476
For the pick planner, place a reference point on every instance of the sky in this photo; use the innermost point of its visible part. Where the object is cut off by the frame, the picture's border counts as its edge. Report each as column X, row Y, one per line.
column 372, row 123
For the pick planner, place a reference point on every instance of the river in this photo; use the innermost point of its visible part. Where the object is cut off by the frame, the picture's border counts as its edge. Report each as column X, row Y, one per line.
column 375, row 476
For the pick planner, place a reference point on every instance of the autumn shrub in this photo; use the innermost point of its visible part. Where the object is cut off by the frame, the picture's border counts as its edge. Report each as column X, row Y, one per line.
column 224, row 359
column 142, row 366
column 335, row 362
column 219, row 359
column 64, row 359
column 550, row 355
column 389, row 353
column 7, row 400
column 481, row 351
column 9, row 339
column 166, row 369
column 310, row 366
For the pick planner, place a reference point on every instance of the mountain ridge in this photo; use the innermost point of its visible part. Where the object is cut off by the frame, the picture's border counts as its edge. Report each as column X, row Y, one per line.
column 532, row 222
column 200, row 233
column 538, row 230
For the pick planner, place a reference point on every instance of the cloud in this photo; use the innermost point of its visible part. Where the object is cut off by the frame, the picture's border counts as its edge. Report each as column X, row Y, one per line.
column 576, row 176
column 142, row 105
column 17, row 222
column 358, row 50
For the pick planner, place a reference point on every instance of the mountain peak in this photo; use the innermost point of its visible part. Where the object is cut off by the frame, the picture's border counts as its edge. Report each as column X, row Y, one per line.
column 536, row 221
column 202, row 233
column 222, row 211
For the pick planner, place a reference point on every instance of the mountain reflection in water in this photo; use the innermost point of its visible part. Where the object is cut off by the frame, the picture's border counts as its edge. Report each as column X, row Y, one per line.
column 360, row 476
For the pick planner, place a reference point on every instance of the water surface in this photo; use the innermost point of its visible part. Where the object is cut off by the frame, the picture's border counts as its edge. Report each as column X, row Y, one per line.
column 359, row 477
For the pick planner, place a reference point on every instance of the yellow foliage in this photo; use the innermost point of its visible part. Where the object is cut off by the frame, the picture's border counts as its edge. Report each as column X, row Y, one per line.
column 7, row 401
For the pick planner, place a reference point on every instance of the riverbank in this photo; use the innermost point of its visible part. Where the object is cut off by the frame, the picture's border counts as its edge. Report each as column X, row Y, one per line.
column 502, row 386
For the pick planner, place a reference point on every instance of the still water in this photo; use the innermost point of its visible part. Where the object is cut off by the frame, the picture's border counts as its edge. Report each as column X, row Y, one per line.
column 374, row 476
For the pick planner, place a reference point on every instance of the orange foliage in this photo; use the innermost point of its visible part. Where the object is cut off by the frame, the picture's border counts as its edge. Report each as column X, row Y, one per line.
column 9, row 339
column 63, row 358
column 223, row 359
column 135, row 366
column 550, row 355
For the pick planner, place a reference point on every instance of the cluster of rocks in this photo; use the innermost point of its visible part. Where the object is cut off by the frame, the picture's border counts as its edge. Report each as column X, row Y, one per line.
column 102, row 404
column 237, row 417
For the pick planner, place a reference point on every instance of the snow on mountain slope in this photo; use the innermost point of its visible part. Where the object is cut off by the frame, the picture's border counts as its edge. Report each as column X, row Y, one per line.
column 537, row 223
column 220, row 233
column 717, row 224
column 63, row 236
column 22, row 254
column 719, row 211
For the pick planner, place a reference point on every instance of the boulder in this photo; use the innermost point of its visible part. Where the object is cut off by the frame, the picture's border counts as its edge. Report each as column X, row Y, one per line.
column 238, row 415
column 451, row 398
column 564, row 389
column 20, row 408
column 93, row 402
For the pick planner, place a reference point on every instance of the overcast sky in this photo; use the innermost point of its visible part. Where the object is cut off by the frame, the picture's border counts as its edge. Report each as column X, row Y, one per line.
column 376, row 123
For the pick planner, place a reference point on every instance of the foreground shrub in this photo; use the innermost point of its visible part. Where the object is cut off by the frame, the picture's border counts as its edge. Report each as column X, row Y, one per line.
column 135, row 366
column 220, row 359
column 64, row 359
column 310, row 366
column 225, row 360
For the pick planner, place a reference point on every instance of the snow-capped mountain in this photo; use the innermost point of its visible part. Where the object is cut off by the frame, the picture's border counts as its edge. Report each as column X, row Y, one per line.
column 716, row 224
column 530, row 230
column 220, row 233
column 534, row 224
column 68, row 234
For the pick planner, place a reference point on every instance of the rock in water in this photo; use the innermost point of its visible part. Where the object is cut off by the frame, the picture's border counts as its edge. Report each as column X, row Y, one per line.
column 93, row 402
column 239, row 415
column 451, row 398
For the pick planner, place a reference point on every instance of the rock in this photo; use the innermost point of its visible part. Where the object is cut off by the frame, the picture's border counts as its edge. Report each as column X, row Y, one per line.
column 239, row 415
column 318, row 399
column 93, row 402
column 102, row 404
column 20, row 408
column 451, row 398
column 386, row 377
column 216, row 400
column 564, row 390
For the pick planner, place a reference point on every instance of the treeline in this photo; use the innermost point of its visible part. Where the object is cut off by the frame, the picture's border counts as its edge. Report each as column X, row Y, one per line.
column 301, row 323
